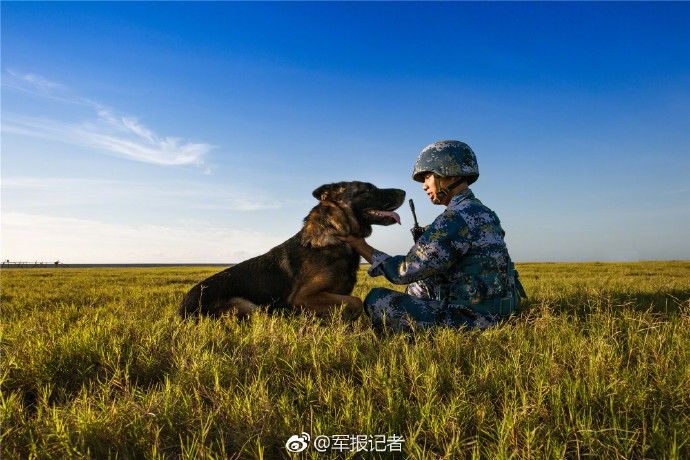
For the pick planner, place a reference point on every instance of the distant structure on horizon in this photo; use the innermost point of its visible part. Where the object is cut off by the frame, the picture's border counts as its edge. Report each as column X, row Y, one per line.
column 57, row 264
column 36, row 264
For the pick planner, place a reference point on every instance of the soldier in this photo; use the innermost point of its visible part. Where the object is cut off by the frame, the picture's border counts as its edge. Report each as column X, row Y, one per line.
column 458, row 272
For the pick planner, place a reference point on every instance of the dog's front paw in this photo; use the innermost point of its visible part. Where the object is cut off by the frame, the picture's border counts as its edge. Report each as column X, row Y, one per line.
column 352, row 313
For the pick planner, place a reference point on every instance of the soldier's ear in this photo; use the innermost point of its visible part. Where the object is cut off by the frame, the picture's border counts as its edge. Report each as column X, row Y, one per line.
column 322, row 192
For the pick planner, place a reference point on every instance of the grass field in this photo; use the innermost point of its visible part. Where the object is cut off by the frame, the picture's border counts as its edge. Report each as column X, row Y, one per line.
column 96, row 364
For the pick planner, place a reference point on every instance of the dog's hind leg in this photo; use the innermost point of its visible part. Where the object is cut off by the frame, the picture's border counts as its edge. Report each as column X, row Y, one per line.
column 199, row 302
column 242, row 306
column 237, row 305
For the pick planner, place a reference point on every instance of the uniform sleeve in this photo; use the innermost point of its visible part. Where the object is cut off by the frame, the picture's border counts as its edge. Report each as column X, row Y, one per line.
column 446, row 239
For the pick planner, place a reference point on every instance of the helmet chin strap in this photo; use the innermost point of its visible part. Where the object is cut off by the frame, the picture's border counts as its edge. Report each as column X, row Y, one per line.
column 444, row 192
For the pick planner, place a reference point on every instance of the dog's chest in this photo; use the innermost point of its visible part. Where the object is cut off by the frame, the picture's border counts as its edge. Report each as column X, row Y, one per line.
column 338, row 267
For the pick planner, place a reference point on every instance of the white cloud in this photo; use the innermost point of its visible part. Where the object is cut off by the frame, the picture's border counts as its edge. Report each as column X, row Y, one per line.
column 30, row 81
column 122, row 135
column 39, row 82
column 31, row 237
column 38, row 85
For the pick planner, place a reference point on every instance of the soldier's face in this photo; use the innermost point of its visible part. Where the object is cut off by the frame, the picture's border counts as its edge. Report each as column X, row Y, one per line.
column 430, row 186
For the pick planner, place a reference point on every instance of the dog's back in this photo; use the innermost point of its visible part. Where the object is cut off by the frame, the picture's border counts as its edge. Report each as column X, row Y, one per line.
column 261, row 280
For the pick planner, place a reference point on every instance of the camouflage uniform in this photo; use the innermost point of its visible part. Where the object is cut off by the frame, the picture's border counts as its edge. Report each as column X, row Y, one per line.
column 459, row 269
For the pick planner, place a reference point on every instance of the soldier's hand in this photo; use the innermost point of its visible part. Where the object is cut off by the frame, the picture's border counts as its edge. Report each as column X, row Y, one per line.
column 417, row 232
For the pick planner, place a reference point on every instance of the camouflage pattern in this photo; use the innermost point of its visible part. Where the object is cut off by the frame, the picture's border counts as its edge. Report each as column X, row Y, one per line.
column 397, row 311
column 447, row 158
column 459, row 273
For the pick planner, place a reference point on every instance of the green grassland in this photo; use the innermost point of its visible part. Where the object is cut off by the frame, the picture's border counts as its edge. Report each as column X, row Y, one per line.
column 96, row 364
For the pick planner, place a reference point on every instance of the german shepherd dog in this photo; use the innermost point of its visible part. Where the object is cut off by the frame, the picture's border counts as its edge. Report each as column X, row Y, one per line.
column 311, row 271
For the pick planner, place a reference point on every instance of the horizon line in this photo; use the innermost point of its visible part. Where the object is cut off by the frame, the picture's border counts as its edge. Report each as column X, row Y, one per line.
column 39, row 264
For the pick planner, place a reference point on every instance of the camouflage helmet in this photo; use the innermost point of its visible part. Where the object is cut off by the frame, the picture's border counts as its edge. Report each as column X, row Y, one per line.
column 447, row 158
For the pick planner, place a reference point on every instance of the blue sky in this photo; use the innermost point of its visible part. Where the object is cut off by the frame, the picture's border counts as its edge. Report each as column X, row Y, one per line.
column 195, row 132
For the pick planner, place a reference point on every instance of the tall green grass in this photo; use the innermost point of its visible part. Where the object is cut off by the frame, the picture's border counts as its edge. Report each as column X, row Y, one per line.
column 96, row 364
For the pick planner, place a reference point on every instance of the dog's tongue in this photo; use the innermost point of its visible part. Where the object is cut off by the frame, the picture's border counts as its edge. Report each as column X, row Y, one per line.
column 392, row 214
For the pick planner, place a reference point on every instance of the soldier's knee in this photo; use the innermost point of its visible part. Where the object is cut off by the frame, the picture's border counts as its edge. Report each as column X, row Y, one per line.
column 374, row 306
column 374, row 295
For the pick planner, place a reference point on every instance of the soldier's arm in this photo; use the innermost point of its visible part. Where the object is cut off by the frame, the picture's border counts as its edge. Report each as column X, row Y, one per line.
column 434, row 252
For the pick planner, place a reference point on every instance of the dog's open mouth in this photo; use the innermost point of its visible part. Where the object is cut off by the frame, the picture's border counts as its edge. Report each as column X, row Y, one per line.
column 385, row 216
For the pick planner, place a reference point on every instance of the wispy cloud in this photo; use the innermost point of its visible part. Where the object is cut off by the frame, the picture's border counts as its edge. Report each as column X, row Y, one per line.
column 106, row 130
column 37, row 81
column 38, row 85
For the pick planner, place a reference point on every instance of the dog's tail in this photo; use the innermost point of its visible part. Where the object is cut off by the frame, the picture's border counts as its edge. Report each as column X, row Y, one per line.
column 195, row 303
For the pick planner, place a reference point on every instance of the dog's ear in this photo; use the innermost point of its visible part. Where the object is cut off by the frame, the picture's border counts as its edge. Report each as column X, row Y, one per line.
column 328, row 192
column 321, row 193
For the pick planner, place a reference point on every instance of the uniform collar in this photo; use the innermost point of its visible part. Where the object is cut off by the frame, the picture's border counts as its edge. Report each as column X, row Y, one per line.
column 460, row 197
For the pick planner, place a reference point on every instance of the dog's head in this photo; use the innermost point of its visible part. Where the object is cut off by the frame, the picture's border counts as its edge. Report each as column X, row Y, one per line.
column 351, row 208
column 371, row 205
